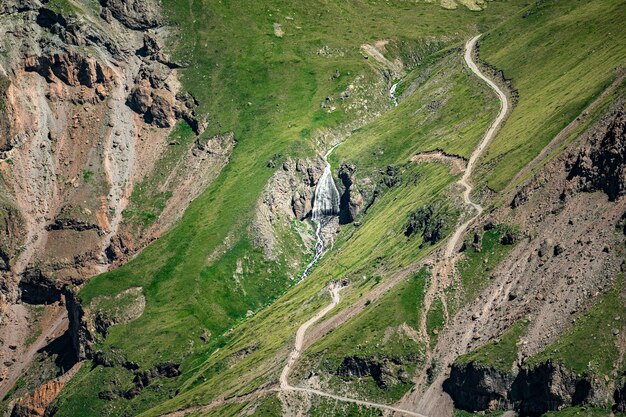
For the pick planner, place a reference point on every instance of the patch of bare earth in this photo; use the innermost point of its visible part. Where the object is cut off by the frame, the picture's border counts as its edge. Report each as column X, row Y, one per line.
column 78, row 132
column 569, row 254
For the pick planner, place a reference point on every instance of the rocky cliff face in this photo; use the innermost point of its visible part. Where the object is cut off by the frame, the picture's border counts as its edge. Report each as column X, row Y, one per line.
column 87, row 100
column 62, row 111
column 601, row 163
column 35, row 405
column 351, row 198
column 134, row 14
column 385, row 372
column 288, row 196
column 619, row 397
column 429, row 222
column 530, row 391
column 82, row 95
column 568, row 252
column 476, row 388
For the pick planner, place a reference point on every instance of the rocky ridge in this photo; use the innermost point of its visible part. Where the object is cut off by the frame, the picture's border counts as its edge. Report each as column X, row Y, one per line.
column 568, row 224
column 88, row 100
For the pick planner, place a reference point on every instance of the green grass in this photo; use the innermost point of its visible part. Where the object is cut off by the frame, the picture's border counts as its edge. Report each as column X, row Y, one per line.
column 64, row 7
column 87, row 174
column 235, row 409
column 323, row 407
column 269, row 406
column 586, row 125
column 33, row 336
column 357, row 257
column 475, row 267
column 590, row 347
column 284, row 79
column 500, row 353
column 268, row 90
column 151, row 195
column 450, row 110
column 583, row 411
column 363, row 336
column 435, row 320
column 560, row 57
column 375, row 335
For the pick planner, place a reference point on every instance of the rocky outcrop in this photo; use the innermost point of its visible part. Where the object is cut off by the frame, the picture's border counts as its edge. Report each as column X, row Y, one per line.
column 351, row 201
column 474, row 387
column 288, row 195
column 38, row 403
column 36, row 288
column 35, row 405
column 66, row 75
column 428, row 222
column 11, row 235
column 162, row 112
column 143, row 379
column 158, row 106
column 71, row 152
column 619, row 397
column 134, row 14
column 6, row 136
column 71, row 224
column 354, row 366
column 80, row 330
column 530, row 391
column 140, row 99
column 548, row 387
column 601, row 163
column 71, row 68
column 301, row 204
column 123, row 308
column 390, row 176
column 18, row 6
column 385, row 371
column 153, row 95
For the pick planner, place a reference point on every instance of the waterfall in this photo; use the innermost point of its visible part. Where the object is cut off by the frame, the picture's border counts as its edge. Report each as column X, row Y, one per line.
column 326, row 198
column 392, row 94
column 325, row 206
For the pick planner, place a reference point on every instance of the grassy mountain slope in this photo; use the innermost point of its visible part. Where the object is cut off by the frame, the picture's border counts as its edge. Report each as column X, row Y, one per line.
column 361, row 259
column 266, row 89
column 428, row 119
column 560, row 55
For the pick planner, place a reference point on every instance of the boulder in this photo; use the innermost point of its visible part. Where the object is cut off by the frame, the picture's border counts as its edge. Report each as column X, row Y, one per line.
column 140, row 99
column 301, row 205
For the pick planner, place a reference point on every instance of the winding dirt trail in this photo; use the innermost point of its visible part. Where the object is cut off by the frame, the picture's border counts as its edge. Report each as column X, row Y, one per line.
column 297, row 350
column 434, row 401
column 464, row 181
column 444, row 268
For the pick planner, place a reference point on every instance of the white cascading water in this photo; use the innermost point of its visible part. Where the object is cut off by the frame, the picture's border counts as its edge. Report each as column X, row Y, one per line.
column 326, row 200
column 325, row 206
column 392, row 94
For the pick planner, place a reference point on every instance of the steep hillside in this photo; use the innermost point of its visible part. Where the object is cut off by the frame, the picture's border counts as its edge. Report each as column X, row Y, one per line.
column 88, row 108
column 177, row 147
